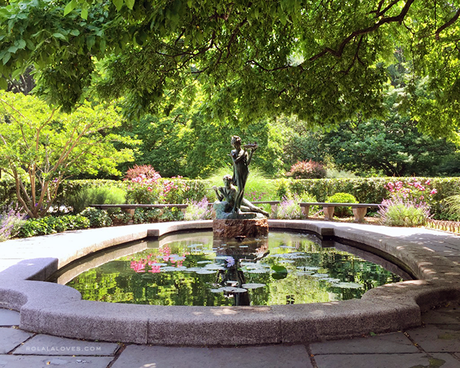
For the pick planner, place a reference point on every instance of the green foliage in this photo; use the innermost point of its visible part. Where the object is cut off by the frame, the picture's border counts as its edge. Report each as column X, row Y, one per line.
column 97, row 217
column 171, row 214
column 144, row 215
column 254, row 59
column 342, row 198
column 451, row 208
column 120, row 217
column 393, row 147
column 51, row 225
column 40, row 147
column 96, row 195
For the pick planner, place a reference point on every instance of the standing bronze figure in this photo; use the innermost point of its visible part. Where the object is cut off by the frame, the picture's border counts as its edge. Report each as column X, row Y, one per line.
column 241, row 158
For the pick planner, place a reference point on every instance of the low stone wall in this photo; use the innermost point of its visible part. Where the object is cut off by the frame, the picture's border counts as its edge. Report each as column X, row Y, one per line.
column 58, row 310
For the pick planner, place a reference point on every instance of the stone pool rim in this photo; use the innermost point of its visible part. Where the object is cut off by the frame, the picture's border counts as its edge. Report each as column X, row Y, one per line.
column 59, row 310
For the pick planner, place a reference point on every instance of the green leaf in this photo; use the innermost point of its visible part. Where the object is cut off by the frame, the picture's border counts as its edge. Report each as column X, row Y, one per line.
column 3, row 83
column 130, row 3
column 21, row 44
column 60, row 36
column 6, row 58
column 16, row 73
column 69, row 7
column 75, row 32
column 12, row 49
column 84, row 13
column 118, row 4
column 90, row 41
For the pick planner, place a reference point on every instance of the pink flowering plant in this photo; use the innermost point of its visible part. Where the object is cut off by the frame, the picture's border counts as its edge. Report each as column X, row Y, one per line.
column 307, row 170
column 408, row 203
column 144, row 190
column 145, row 185
column 416, row 192
column 174, row 190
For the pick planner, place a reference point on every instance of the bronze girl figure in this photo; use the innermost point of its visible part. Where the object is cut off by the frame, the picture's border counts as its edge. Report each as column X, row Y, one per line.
column 241, row 158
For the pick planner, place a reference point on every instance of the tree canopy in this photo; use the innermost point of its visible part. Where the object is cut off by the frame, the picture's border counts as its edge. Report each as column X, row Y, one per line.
column 40, row 147
column 321, row 60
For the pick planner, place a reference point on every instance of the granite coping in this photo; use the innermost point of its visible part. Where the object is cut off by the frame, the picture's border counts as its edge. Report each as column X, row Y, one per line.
column 432, row 256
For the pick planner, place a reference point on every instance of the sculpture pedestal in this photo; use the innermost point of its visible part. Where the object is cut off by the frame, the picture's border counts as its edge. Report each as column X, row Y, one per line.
column 231, row 228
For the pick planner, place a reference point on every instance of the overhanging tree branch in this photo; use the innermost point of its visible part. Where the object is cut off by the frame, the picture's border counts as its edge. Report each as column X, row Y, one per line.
column 339, row 51
column 447, row 24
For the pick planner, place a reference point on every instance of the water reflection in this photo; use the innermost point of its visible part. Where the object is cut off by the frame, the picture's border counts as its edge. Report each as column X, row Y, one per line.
column 231, row 279
column 191, row 269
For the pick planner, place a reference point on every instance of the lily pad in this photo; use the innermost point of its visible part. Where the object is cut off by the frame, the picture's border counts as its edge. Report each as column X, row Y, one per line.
column 204, row 271
column 253, row 285
column 348, row 285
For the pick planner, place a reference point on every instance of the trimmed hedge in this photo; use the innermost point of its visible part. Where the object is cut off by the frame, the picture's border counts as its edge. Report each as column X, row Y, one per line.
column 366, row 190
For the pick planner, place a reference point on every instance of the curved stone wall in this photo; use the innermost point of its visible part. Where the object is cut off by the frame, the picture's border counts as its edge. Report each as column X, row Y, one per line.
column 58, row 310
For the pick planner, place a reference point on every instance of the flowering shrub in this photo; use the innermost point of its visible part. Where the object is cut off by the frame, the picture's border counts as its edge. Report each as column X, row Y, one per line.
column 288, row 209
column 254, row 196
column 174, row 190
column 403, row 213
column 409, row 203
column 307, row 170
column 146, row 170
column 416, row 192
column 148, row 187
column 198, row 210
column 144, row 190
column 10, row 223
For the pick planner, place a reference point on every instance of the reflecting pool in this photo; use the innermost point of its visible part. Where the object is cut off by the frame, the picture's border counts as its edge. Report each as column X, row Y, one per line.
column 192, row 269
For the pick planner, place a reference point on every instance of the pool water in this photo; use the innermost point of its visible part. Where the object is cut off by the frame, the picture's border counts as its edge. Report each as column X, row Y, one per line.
column 286, row 268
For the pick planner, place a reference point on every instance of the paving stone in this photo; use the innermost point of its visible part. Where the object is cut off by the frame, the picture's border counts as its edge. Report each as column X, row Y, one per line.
column 9, row 317
column 450, row 315
column 271, row 356
column 10, row 361
column 53, row 345
column 10, row 338
column 418, row 360
column 436, row 339
column 386, row 343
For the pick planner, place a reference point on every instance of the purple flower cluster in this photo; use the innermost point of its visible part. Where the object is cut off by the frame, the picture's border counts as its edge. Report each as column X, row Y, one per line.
column 9, row 221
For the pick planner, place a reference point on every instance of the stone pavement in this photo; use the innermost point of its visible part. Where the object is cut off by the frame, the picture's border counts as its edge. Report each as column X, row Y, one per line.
column 436, row 344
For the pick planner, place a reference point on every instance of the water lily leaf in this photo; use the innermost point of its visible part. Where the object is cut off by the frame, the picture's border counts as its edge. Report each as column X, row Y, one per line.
column 215, row 267
column 304, row 273
column 252, row 285
column 205, row 272
column 348, row 285
column 232, row 289
column 321, row 275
